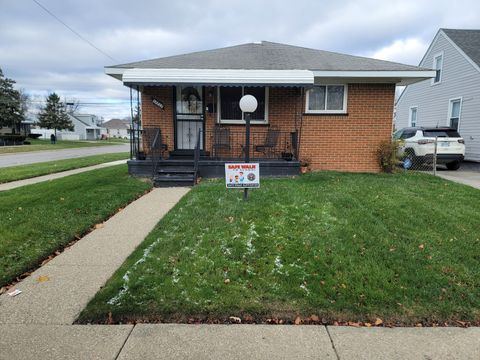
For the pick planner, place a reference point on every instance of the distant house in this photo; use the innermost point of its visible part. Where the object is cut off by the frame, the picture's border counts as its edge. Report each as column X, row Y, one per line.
column 117, row 128
column 86, row 126
column 452, row 97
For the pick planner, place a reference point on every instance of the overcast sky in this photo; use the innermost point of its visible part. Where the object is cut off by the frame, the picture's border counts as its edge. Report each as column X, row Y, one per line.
column 42, row 55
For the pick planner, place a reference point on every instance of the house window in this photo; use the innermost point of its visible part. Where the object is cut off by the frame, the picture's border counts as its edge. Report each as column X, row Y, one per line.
column 438, row 65
column 412, row 119
column 454, row 113
column 327, row 99
column 229, row 100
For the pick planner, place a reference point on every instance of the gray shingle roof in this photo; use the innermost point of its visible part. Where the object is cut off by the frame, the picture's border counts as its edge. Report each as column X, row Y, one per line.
column 468, row 41
column 116, row 124
column 270, row 56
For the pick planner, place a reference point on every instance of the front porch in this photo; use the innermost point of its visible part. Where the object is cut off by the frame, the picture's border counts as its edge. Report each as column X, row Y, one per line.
column 207, row 152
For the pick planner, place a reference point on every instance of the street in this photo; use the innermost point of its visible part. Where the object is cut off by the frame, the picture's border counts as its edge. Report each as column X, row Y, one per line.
column 42, row 156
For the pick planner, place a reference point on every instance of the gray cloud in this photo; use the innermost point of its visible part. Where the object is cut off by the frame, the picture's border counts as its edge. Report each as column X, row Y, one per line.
column 42, row 55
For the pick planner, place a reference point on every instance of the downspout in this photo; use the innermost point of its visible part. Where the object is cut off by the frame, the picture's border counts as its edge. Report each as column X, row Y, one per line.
column 302, row 99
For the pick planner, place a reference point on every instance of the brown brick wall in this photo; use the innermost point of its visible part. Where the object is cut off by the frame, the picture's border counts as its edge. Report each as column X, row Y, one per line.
column 332, row 142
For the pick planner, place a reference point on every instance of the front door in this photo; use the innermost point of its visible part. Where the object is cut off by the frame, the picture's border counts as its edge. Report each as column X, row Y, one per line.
column 189, row 117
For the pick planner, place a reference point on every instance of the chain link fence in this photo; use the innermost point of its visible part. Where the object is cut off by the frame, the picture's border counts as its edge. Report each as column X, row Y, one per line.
column 429, row 156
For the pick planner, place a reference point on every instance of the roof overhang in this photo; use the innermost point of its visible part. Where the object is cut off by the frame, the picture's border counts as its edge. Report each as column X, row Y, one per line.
column 137, row 76
column 401, row 78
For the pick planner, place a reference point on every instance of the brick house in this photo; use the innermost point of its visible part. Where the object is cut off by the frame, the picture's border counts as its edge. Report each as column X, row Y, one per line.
column 328, row 108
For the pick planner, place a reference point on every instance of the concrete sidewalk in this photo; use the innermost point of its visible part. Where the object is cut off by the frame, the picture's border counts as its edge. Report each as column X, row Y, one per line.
column 170, row 341
column 15, row 184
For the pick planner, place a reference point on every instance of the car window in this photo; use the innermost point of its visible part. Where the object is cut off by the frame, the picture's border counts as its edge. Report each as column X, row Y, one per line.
column 441, row 133
column 397, row 134
column 407, row 134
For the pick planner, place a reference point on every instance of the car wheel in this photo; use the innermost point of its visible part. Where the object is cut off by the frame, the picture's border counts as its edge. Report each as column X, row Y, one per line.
column 410, row 161
column 454, row 165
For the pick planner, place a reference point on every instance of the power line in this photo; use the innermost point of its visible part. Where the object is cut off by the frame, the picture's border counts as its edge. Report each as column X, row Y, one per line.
column 75, row 32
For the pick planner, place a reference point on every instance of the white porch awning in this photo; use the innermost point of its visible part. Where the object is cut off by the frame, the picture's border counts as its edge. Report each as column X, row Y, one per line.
column 217, row 76
column 137, row 76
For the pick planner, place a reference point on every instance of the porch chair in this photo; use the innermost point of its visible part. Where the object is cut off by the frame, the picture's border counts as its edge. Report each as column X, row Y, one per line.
column 221, row 140
column 271, row 141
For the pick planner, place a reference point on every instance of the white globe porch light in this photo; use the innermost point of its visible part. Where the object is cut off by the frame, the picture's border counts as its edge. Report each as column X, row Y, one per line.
column 248, row 103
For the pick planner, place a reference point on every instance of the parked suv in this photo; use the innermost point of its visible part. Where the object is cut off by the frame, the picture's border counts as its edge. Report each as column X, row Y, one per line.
column 418, row 146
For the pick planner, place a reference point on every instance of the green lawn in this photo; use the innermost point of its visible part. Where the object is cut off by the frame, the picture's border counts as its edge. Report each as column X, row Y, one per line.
column 13, row 173
column 38, row 144
column 38, row 219
column 344, row 247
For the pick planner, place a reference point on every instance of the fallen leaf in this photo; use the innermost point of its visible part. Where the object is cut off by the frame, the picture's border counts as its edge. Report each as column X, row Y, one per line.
column 368, row 325
column 354, row 324
column 314, row 318
column 322, row 282
column 110, row 318
column 20, row 208
column 99, row 226
column 43, row 278
column 343, row 286
column 421, row 246
column 248, row 318
column 235, row 319
column 298, row 320
column 226, row 281
column 419, row 325
column 62, row 199
column 378, row 322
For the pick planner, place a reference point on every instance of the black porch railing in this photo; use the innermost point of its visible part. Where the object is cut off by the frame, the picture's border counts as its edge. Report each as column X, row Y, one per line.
column 265, row 143
column 220, row 143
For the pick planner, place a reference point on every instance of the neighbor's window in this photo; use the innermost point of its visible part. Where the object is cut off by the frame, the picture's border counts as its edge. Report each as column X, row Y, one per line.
column 413, row 116
column 437, row 65
column 327, row 99
column 455, row 113
column 229, row 100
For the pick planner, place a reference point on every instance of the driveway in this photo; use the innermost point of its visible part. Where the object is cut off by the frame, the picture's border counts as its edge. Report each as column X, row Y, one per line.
column 51, row 155
column 468, row 174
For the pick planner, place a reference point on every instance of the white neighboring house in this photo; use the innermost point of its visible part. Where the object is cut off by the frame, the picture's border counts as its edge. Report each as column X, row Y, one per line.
column 117, row 128
column 452, row 98
column 86, row 127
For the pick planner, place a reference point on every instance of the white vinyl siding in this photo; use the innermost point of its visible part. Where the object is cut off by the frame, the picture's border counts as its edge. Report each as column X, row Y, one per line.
column 459, row 79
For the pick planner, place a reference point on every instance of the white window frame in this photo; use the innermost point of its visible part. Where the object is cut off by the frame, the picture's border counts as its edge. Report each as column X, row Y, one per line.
column 435, row 57
column 450, row 108
column 242, row 120
column 342, row 111
column 410, row 112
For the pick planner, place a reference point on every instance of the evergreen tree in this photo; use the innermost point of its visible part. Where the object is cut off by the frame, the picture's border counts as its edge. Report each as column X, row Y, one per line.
column 54, row 115
column 12, row 104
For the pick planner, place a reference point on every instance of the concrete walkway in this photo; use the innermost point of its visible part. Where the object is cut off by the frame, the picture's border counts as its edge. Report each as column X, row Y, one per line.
column 32, row 157
column 471, row 178
column 37, row 324
column 15, row 184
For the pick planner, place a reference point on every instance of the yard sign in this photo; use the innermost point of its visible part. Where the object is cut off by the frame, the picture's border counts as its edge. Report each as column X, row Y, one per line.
column 242, row 175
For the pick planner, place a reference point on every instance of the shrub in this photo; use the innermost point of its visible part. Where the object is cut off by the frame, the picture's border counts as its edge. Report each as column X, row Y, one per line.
column 387, row 154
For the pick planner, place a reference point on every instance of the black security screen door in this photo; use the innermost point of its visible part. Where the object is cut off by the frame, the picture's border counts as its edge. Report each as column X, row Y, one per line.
column 189, row 117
